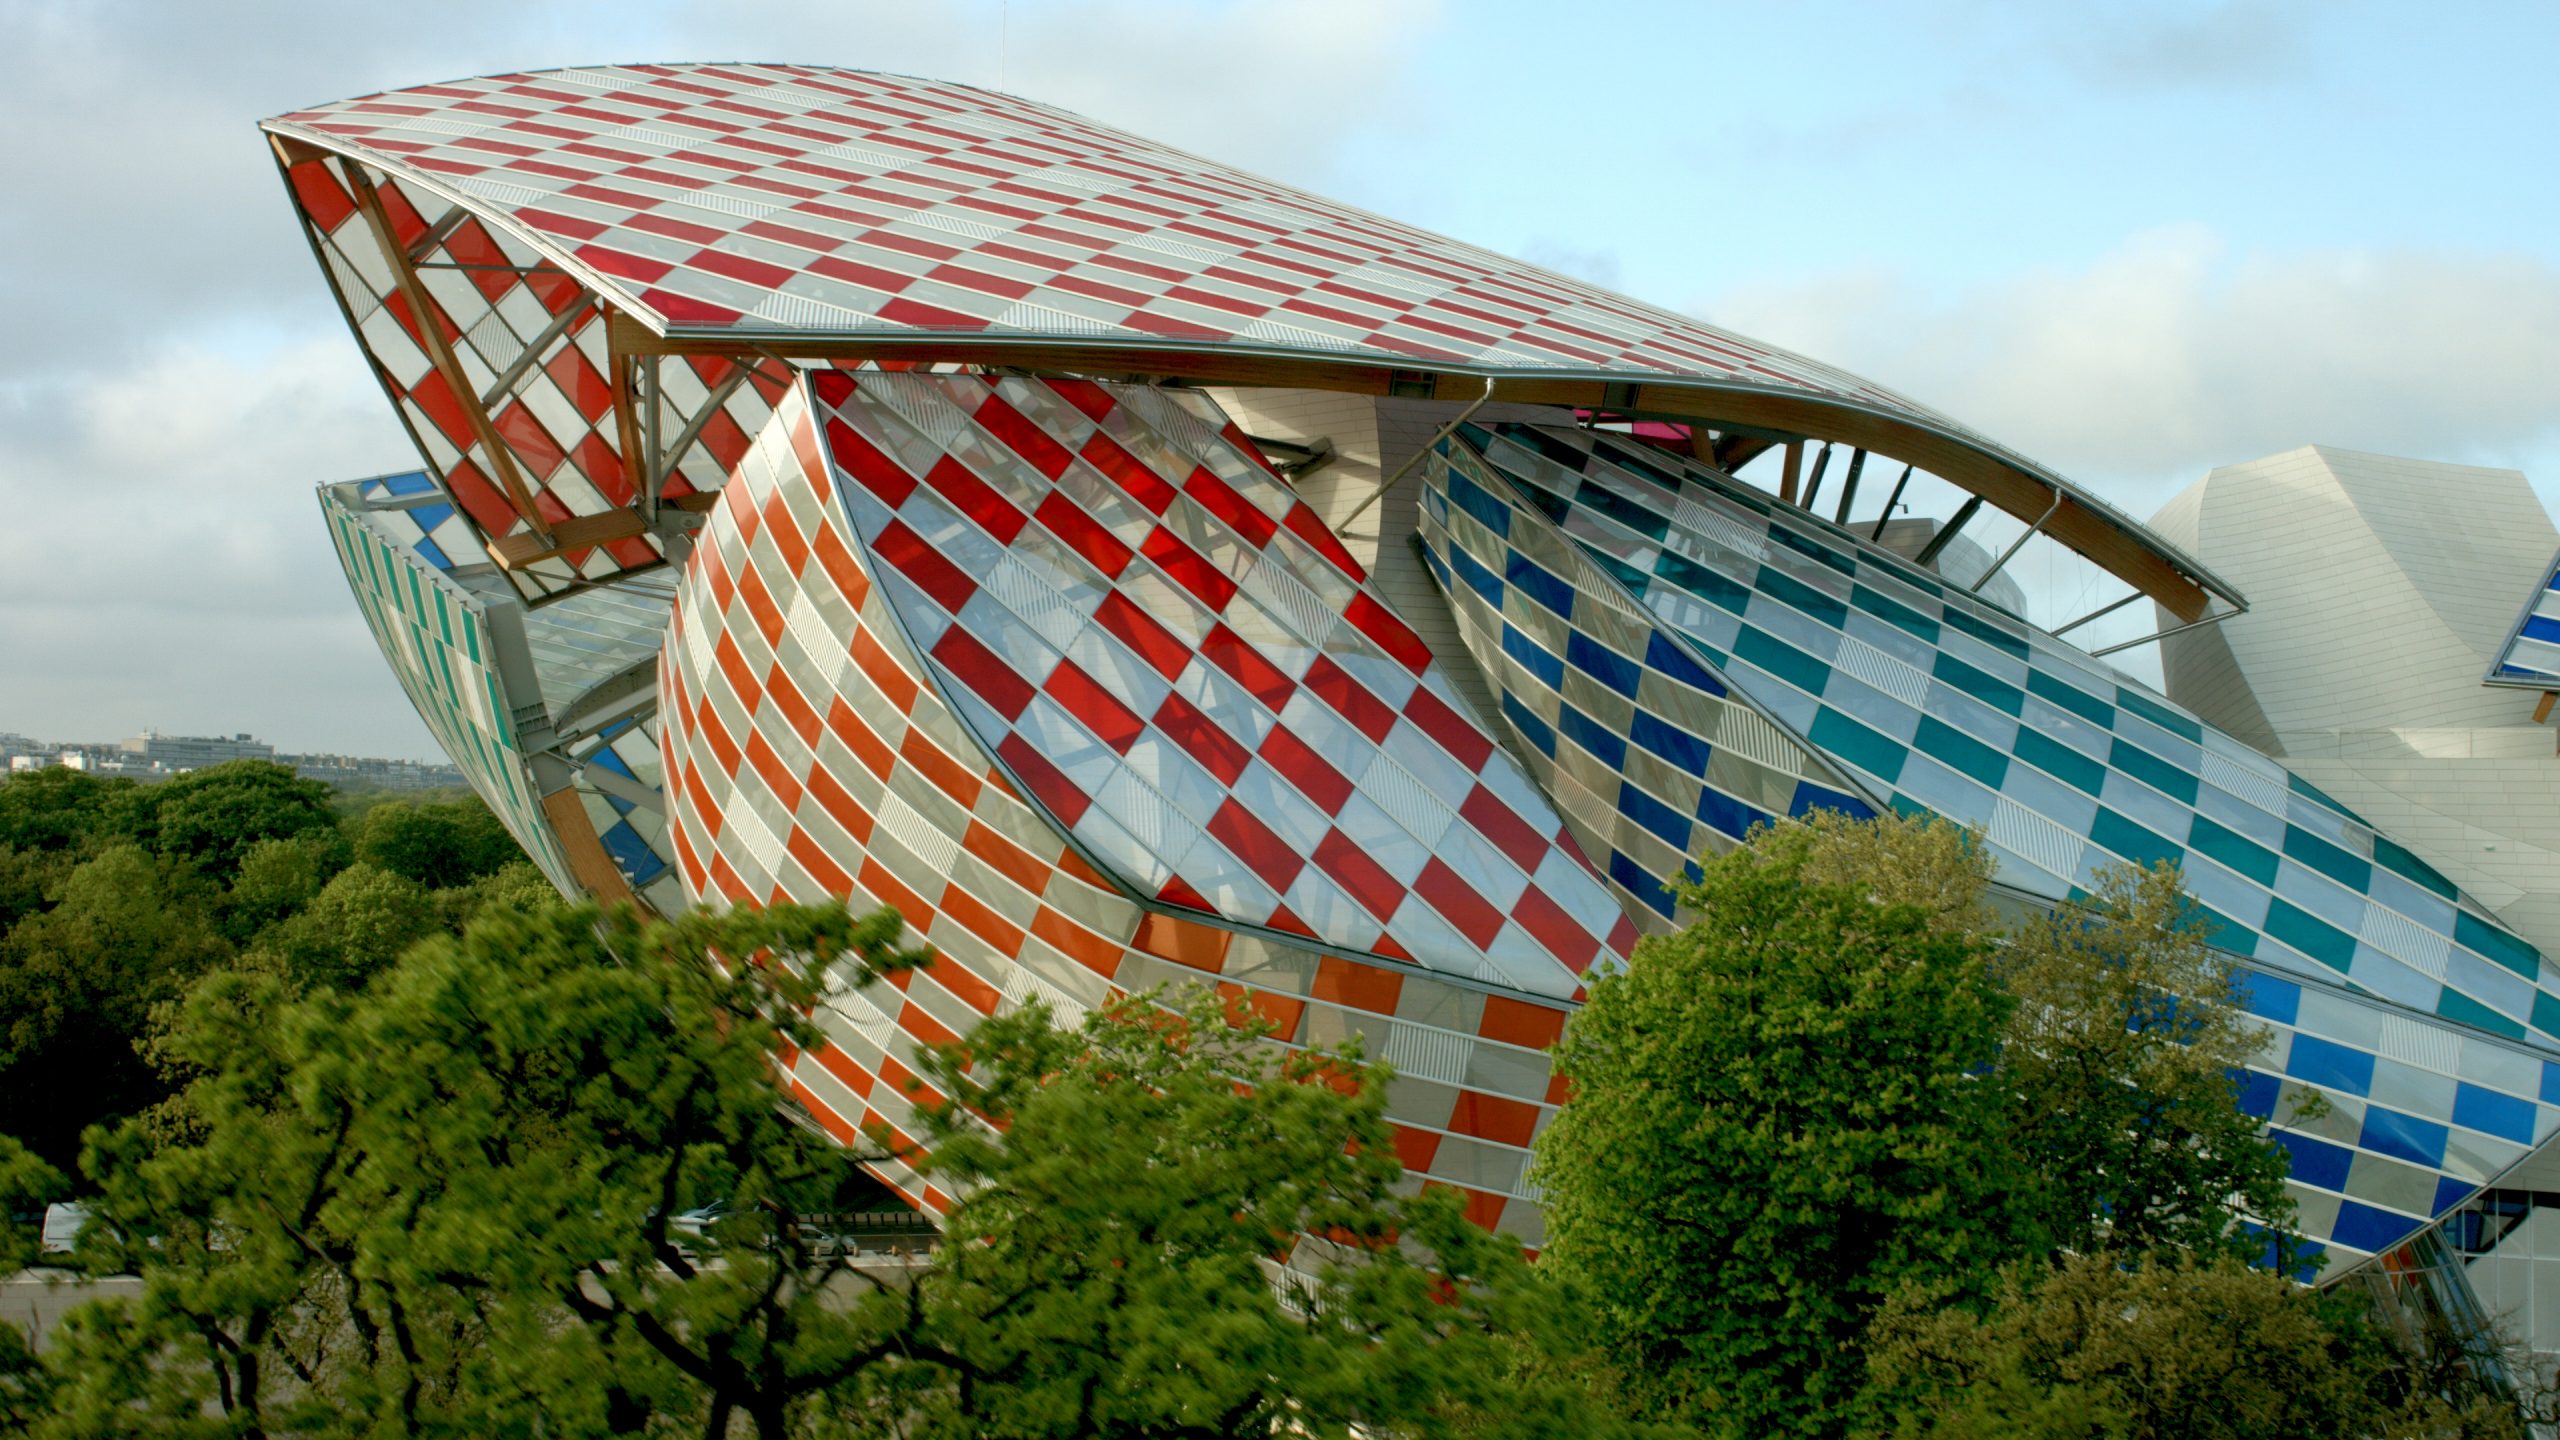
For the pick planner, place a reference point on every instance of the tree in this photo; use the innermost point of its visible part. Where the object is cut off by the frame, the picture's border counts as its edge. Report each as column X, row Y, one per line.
column 213, row 816
column 59, row 808
column 277, row 878
column 1779, row 1116
column 445, row 1204
column 352, row 929
column 127, row 931
column 440, row 845
column 26, row 1184
column 2127, row 1036
column 2121, row 1051
column 2168, row 1348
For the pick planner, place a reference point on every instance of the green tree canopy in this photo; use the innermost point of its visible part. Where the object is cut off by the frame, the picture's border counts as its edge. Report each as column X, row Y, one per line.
column 1779, row 1116
column 445, row 1205
column 214, row 815
column 439, row 845
column 2170, row 1348
column 127, row 931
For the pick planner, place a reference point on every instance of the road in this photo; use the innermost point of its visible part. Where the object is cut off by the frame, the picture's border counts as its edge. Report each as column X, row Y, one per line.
column 31, row 1301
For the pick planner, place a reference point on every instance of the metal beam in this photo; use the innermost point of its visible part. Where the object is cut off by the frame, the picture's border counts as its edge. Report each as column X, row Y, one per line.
column 1889, row 502
column 430, row 317
column 1813, row 487
column 2102, row 611
column 2014, row 547
column 1947, row 532
column 1849, row 487
column 2214, row 619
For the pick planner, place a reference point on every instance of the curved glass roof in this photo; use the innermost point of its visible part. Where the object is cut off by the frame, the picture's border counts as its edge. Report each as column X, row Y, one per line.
column 795, row 206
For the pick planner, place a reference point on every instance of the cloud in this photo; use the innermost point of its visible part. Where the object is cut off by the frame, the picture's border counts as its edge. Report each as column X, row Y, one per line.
column 2172, row 353
column 2150, row 47
column 182, row 576
column 178, row 379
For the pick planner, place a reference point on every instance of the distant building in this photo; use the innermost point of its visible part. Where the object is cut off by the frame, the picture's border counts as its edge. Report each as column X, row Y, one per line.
column 194, row 752
column 365, row 772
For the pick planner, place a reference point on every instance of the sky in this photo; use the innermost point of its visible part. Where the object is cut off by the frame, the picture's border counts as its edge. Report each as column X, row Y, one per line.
column 2131, row 241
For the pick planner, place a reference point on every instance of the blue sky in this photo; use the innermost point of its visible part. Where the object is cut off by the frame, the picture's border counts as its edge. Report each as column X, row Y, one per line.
column 2132, row 241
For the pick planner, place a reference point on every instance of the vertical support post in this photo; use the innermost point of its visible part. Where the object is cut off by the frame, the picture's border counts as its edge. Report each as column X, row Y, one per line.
column 1795, row 462
column 1813, row 487
column 1889, row 502
column 1849, row 487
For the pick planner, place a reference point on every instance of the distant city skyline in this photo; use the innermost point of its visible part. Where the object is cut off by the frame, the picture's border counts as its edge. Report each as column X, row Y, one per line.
column 2132, row 241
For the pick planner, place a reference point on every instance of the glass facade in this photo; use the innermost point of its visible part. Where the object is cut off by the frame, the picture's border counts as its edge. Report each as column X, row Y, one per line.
column 1585, row 568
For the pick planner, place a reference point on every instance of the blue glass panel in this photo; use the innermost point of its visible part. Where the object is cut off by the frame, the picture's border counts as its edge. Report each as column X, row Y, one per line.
column 1666, row 824
column 1664, row 654
column 2316, row 1162
column 1482, row 581
column 1670, row 742
column 2402, row 1137
column 1640, row 884
column 2366, row 1228
column 2506, row 1116
column 1609, row 746
column 1536, row 583
column 2329, row 1065
column 1601, row 663
column 1728, row 816
column 1532, row 657
column 2265, row 995
column 1538, row 732
column 2256, row 1092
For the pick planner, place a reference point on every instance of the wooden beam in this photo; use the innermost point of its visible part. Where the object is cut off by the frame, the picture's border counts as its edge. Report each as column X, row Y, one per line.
column 2109, row 543
column 1795, row 469
column 291, row 152
column 581, row 532
column 2542, row 707
column 1733, row 451
column 625, row 378
column 440, row 353
column 630, row 336
column 589, row 864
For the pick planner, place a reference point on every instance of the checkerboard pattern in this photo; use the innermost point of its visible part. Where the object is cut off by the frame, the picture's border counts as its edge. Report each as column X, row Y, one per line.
column 434, row 631
column 812, row 750
column 495, row 298
column 785, row 199
column 1649, row 755
column 1580, row 562
column 1162, row 645
column 2531, row 654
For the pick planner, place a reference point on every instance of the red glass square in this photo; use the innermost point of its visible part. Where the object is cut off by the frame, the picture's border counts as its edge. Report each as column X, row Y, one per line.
column 1142, row 633
column 1202, row 737
column 1115, row 724
column 1256, row 845
column 1365, row 879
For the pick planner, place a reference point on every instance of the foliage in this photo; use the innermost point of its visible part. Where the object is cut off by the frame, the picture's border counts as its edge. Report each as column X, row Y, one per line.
column 126, row 931
column 214, row 815
column 2166, row 1348
column 1778, row 1118
column 445, row 1205
column 114, row 897
column 2128, row 1033
column 440, row 846
column 352, row 929
column 26, row 1184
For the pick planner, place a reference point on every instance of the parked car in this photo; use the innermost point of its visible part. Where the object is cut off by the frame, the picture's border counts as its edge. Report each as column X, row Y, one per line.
column 63, row 1223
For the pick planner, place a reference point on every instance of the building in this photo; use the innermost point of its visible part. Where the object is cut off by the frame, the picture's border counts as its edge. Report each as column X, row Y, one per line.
column 194, row 752
column 2382, row 591
column 1130, row 569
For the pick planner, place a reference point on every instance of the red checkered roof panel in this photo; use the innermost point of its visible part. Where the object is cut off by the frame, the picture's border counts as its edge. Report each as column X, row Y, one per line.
column 1175, row 658
column 796, row 201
